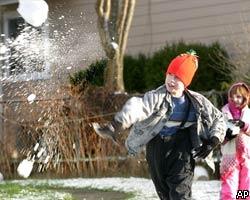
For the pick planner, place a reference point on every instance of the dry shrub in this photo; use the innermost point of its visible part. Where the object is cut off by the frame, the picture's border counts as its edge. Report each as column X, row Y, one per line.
column 66, row 126
column 6, row 167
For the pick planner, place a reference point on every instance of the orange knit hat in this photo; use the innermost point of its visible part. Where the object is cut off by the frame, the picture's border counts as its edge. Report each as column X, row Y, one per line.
column 184, row 67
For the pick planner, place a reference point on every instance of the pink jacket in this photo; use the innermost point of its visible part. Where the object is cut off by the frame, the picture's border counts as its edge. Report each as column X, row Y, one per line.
column 234, row 166
column 245, row 116
column 241, row 144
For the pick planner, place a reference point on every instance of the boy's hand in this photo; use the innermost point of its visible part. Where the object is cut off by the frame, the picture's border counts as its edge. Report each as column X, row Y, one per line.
column 207, row 146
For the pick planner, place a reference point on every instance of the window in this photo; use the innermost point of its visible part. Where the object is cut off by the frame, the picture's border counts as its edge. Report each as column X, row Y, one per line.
column 25, row 50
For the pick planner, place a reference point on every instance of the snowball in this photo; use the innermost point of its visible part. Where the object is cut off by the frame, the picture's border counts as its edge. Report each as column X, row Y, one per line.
column 114, row 45
column 31, row 98
column 34, row 12
column 3, row 49
column 24, row 168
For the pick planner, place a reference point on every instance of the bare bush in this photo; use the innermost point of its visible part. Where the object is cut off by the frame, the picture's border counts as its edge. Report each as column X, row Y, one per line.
column 65, row 127
column 239, row 62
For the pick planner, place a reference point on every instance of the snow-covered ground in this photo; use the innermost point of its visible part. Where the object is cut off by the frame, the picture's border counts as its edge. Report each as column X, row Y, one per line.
column 143, row 188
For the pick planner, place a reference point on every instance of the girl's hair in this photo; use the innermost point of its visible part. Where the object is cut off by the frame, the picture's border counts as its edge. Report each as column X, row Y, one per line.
column 240, row 89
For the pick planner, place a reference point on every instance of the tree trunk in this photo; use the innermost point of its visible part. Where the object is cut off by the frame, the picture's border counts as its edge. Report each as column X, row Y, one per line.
column 114, row 22
column 114, row 74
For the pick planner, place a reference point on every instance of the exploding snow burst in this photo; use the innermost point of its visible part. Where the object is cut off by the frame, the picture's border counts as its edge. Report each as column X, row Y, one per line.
column 40, row 53
column 37, row 53
column 35, row 49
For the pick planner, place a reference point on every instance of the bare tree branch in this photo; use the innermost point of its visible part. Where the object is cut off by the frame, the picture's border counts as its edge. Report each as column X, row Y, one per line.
column 114, row 22
column 103, row 12
column 128, row 20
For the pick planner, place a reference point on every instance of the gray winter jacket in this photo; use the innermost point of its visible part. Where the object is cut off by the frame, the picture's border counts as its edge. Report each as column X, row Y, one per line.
column 147, row 115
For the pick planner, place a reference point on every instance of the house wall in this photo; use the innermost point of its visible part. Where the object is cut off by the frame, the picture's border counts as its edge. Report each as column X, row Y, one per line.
column 159, row 21
column 156, row 22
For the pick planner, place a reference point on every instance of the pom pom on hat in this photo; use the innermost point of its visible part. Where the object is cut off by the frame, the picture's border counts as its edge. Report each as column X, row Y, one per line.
column 184, row 67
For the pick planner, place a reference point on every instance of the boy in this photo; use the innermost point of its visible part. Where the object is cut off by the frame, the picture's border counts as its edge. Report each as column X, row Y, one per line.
column 175, row 124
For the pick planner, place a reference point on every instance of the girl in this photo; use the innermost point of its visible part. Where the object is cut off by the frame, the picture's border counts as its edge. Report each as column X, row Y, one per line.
column 235, row 164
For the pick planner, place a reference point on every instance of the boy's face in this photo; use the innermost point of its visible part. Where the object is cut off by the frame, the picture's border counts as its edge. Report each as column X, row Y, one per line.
column 237, row 99
column 174, row 85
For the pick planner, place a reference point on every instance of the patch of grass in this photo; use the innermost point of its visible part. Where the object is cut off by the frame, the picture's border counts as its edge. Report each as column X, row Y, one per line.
column 46, row 191
column 13, row 190
column 10, row 189
column 130, row 195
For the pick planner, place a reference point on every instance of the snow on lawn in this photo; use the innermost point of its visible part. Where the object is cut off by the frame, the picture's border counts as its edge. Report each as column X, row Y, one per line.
column 141, row 187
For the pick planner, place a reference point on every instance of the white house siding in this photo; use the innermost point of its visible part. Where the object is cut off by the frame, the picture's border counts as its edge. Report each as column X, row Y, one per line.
column 159, row 21
column 156, row 22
